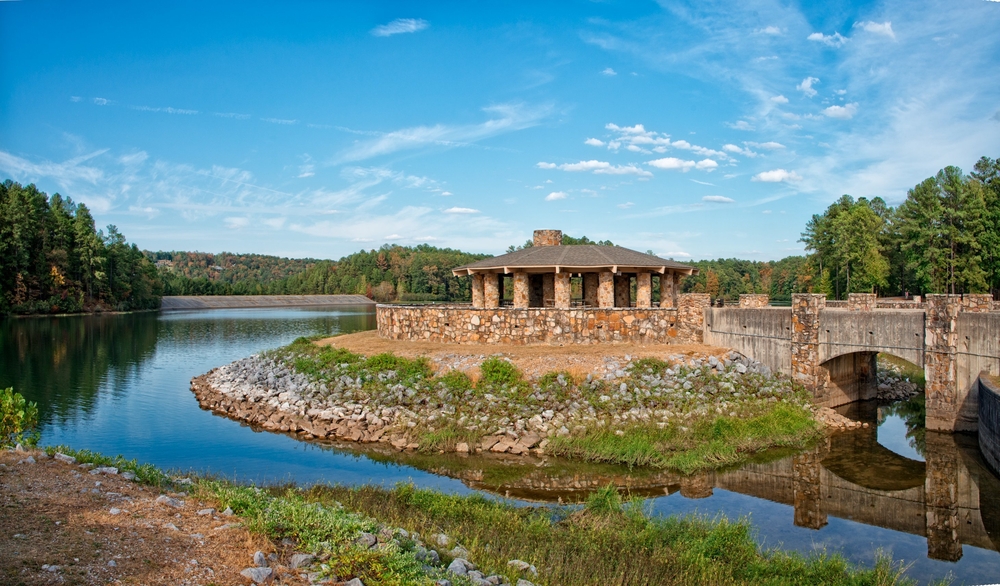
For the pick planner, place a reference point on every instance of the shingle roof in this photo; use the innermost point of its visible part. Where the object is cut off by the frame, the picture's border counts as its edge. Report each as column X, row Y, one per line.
column 573, row 258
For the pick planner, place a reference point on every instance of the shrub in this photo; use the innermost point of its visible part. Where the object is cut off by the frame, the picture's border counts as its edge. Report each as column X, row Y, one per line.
column 18, row 420
column 498, row 372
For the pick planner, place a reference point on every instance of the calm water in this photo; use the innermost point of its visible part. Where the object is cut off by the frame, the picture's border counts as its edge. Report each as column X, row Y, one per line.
column 120, row 385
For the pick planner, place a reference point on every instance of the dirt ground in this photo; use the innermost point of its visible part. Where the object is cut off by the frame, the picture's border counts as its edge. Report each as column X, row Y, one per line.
column 59, row 524
column 533, row 360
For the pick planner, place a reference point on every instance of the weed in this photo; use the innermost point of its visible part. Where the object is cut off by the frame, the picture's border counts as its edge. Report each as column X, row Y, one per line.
column 497, row 372
column 18, row 420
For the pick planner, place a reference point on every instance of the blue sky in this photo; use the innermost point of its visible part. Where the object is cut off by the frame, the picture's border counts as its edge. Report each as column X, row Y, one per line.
column 696, row 130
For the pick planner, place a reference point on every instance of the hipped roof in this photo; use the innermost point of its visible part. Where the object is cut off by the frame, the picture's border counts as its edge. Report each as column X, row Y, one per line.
column 576, row 258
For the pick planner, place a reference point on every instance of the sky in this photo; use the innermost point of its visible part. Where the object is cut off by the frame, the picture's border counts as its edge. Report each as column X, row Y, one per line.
column 696, row 130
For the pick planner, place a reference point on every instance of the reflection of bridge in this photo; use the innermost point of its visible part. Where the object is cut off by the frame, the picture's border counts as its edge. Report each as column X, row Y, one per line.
column 952, row 499
column 832, row 351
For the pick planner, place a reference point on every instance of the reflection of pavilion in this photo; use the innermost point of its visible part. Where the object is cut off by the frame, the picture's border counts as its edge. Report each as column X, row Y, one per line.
column 952, row 499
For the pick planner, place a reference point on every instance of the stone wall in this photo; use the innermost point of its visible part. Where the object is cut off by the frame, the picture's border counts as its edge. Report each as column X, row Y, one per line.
column 977, row 303
column 754, row 300
column 861, row 301
column 516, row 326
column 547, row 238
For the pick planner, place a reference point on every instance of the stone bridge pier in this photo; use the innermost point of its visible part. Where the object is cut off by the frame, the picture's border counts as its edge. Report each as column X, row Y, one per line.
column 832, row 349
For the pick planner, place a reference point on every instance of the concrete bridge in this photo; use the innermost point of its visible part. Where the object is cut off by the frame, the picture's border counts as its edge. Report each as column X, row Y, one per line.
column 832, row 349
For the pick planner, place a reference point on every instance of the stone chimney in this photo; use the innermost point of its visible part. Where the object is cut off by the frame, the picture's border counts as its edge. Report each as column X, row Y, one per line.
column 547, row 238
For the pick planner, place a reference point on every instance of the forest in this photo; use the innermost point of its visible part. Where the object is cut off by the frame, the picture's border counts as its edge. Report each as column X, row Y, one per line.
column 943, row 238
column 53, row 260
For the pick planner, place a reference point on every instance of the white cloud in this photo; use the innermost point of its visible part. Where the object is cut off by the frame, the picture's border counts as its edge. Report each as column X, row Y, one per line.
column 703, row 182
column 834, row 40
column 806, row 86
column 276, row 223
column 236, row 223
column 718, row 199
column 732, row 148
column 842, row 112
column 768, row 30
column 504, row 118
column 458, row 210
column 280, row 121
column 625, row 206
column 878, row 28
column 770, row 145
column 740, row 125
column 101, row 101
column 776, row 176
column 400, row 25
column 594, row 142
column 608, row 71
column 446, row 193
column 706, row 165
column 673, row 163
column 779, row 99
column 597, row 167
column 307, row 170
column 75, row 98
column 555, row 195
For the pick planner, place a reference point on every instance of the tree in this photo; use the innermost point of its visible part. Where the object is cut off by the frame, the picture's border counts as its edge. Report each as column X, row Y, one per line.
column 941, row 224
column 987, row 173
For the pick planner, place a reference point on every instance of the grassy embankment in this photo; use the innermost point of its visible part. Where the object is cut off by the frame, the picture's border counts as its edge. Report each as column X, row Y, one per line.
column 659, row 414
column 607, row 541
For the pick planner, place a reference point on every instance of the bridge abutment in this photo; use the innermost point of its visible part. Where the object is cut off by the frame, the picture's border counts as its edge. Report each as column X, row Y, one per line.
column 941, row 361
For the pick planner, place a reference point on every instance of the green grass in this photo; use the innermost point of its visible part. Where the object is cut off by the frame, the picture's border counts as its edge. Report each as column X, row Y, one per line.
column 610, row 540
column 706, row 444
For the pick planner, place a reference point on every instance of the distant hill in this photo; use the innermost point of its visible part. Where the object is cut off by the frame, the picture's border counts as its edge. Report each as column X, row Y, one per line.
column 226, row 273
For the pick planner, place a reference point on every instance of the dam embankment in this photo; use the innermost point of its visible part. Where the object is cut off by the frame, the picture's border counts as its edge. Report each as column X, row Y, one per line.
column 192, row 302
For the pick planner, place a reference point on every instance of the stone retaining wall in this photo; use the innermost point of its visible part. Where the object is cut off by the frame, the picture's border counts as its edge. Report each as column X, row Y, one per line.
column 517, row 326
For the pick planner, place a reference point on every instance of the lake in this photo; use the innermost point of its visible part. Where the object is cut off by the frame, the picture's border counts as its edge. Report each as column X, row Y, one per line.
column 119, row 384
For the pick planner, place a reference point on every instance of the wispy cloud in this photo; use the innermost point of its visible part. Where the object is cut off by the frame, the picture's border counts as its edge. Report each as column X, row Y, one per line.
column 718, row 199
column 503, row 118
column 806, row 86
column 284, row 121
column 845, row 112
column 834, row 40
column 556, row 195
column 400, row 26
column 458, row 210
column 597, row 167
column 878, row 28
column 609, row 72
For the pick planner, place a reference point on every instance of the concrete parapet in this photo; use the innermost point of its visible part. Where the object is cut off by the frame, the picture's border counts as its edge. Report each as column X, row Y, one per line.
column 753, row 300
column 517, row 326
column 989, row 421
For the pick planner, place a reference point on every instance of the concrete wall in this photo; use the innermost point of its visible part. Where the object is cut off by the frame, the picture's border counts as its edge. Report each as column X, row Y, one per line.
column 989, row 422
column 978, row 351
column 187, row 302
column 896, row 332
column 763, row 334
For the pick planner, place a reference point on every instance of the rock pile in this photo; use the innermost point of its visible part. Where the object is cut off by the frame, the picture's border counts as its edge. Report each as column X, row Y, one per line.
column 892, row 385
column 346, row 402
column 837, row 422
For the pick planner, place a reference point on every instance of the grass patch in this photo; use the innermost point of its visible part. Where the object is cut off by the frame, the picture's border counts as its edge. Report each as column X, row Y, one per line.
column 610, row 540
column 705, row 444
column 146, row 474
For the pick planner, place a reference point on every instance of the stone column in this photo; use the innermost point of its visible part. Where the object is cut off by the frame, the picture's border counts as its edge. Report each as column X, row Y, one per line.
column 590, row 286
column 548, row 290
column 623, row 291
column 477, row 290
column 805, row 343
column 521, row 290
column 691, row 316
column 697, row 486
column 806, row 496
column 753, row 300
column 606, row 289
column 941, row 497
column 860, row 301
column 977, row 303
column 668, row 289
column 940, row 361
column 562, row 290
column 491, row 290
column 644, row 290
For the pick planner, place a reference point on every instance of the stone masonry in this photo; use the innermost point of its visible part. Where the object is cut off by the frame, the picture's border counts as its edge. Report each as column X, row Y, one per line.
column 491, row 290
column 562, row 290
column 547, row 238
column 940, row 364
column 643, row 290
column 860, row 301
column 591, row 283
column 805, row 342
column 606, row 289
column 669, row 285
column 754, row 300
column 463, row 325
column 477, row 291
column 521, row 290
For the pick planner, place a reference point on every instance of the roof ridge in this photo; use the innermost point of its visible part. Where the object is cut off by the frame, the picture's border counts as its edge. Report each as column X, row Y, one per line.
column 562, row 255
column 597, row 249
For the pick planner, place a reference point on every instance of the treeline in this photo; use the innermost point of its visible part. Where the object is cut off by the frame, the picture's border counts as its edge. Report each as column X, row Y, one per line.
column 53, row 260
column 727, row 278
column 226, row 273
column 945, row 238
